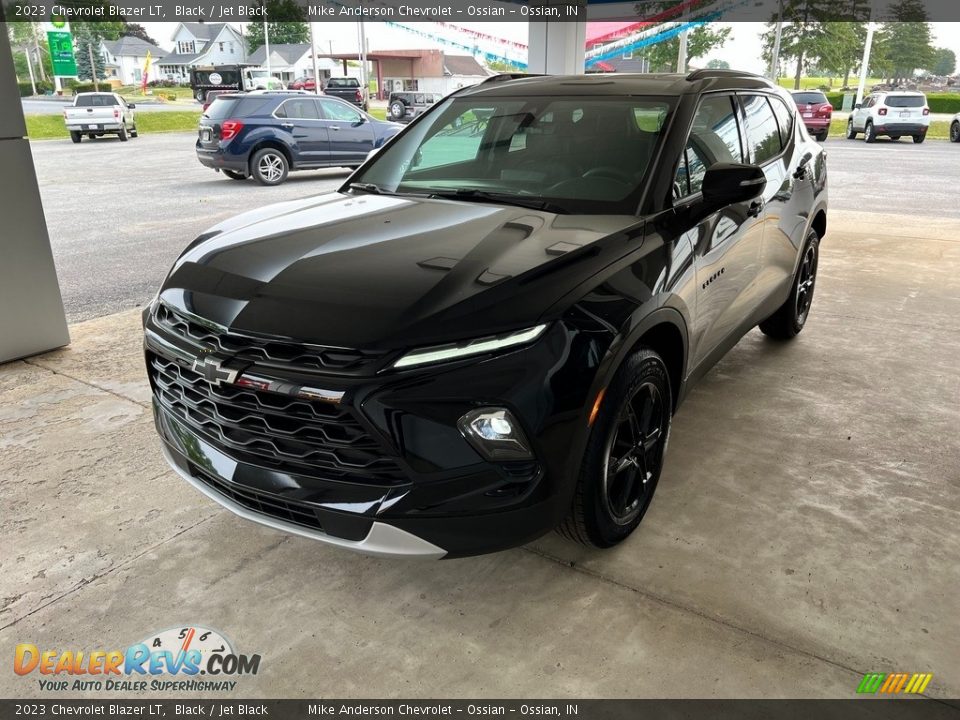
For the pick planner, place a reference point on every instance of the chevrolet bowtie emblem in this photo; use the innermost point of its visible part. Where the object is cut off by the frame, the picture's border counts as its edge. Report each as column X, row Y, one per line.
column 212, row 370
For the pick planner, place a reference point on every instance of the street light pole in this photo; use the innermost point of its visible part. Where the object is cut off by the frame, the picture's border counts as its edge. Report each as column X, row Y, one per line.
column 865, row 64
column 775, row 60
column 266, row 44
column 316, row 72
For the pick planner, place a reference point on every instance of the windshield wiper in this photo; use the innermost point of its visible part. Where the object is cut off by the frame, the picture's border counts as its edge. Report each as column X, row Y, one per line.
column 503, row 198
column 371, row 188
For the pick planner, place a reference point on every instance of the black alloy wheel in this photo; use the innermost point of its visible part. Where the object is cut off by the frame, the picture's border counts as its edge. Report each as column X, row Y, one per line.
column 624, row 455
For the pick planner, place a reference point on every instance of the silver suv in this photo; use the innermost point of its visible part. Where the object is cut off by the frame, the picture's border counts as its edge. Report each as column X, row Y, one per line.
column 892, row 114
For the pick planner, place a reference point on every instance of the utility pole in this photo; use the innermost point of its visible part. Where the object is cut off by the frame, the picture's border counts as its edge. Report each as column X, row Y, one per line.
column 313, row 52
column 775, row 60
column 865, row 64
column 682, row 55
column 33, row 84
column 93, row 67
column 36, row 42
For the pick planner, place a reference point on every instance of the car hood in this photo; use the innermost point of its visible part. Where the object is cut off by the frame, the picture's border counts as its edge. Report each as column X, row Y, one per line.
column 385, row 272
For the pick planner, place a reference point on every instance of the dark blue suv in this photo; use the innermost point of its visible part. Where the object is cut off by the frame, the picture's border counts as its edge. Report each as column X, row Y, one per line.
column 266, row 135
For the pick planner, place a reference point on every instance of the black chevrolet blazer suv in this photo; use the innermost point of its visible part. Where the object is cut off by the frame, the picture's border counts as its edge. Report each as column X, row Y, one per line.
column 484, row 333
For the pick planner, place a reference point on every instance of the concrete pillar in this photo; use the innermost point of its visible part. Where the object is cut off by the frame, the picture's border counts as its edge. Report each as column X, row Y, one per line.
column 31, row 309
column 556, row 48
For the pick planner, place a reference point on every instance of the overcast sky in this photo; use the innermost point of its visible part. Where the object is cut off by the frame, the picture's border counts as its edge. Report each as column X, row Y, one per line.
column 742, row 50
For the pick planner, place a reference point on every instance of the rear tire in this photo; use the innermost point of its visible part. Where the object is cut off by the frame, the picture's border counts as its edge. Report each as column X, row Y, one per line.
column 235, row 175
column 269, row 166
column 789, row 319
column 919, row 138
column 868, row 134
column 624, row 454
column 75, row 136
column 822, row 137
column 955, row 132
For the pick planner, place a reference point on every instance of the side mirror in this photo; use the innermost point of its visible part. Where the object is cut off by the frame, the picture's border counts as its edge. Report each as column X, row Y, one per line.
column 730, row 183
column 857, row 106
column 131, row 105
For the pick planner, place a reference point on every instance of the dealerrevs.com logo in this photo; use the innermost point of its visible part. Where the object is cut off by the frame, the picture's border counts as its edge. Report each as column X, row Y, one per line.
column 183, row 659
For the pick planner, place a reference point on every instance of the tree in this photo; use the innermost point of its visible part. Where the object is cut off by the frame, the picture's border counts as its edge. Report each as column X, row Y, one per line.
column 944, row 62
column 501, row 66
column 287, row 24
column 839, row 49
column 804, row 27
column 716, row 64
column 137, row 30
column 86, row 43
column 700, row 41
column 906, row 47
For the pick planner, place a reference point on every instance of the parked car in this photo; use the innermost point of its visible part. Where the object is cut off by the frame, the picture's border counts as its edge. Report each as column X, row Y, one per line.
column 484, row 333
column 403, row 107
column 305, row 82
column 266, row 134
column 96, row 114
column 891, row 114
column 816, row 111
column 955, row 129
column 348, row 89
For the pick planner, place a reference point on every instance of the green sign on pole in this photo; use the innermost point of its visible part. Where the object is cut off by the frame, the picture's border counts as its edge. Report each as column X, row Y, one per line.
column 61, row 53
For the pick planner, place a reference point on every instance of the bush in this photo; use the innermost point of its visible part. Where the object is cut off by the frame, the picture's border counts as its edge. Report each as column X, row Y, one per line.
column 43, row 87
column 944, row 103
column 90, row 87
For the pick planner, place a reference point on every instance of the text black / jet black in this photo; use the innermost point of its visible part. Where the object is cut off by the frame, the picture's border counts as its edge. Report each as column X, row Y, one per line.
column 484, row 333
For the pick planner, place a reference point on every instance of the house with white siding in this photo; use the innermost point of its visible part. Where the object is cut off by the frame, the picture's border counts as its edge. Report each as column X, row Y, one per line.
column 201, row 44
column 289, row 61
column 125, row 58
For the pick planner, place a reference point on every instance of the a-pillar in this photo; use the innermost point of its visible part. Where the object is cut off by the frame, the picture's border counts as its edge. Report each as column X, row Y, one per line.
column 31, row 309
column 556, row 48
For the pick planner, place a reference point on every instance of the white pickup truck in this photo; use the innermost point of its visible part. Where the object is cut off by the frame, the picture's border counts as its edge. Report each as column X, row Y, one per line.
column 98, row 113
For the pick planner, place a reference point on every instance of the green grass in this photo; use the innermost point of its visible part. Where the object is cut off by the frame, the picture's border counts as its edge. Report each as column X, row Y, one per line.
column 379, row 113
column 44, row 127
column 132, row 92
column 939, row 129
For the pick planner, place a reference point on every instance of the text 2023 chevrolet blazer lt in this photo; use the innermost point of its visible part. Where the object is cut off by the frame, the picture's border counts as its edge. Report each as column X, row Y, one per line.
column 484, row 333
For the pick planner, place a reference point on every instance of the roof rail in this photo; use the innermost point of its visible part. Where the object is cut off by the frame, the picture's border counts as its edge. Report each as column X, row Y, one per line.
column 706, row 73
column 502, row 77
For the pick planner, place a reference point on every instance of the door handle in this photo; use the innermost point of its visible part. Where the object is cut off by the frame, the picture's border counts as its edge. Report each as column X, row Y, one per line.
column 287, row 126
column 333, row 127
column 801, row 172
column 756, row 207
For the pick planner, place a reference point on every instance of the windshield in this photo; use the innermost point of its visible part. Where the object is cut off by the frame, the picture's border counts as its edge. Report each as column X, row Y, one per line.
column 259, row 73
column 582, row 154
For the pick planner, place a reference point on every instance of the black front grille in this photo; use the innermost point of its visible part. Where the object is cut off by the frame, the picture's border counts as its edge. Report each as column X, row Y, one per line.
column 266, row 351
column 291, row 511
column 307, row 437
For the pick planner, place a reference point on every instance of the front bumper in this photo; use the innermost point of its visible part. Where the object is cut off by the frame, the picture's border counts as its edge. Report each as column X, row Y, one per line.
column 444, row 500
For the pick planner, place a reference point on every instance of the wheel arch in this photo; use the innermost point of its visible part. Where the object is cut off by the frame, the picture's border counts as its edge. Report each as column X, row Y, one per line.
column 819, row 223
column 269, row 143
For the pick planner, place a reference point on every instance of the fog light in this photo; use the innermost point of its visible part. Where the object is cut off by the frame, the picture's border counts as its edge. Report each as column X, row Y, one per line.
column 495, row 434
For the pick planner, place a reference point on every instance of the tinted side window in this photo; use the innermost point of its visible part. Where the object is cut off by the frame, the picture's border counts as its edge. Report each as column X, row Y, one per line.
column 763, row 135
column 784, row 120
column 714, row 138
column 333, row 110
column 301, row 109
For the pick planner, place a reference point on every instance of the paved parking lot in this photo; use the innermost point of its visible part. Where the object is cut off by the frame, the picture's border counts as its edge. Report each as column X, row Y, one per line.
column 805, row 530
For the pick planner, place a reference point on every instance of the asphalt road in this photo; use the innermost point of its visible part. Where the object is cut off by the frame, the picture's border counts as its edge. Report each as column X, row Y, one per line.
column 55, row 107
column 119, row 214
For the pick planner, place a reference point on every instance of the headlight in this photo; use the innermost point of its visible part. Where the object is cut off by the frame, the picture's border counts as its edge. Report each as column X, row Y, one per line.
column 440, row 353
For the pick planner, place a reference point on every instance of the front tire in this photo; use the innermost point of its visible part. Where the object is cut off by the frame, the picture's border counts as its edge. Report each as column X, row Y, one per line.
column 134, row 132
column 955, row 132
column 624, row 454
column 269, row 166
column 123, row 133
column 919, row 138
column 851, row 133
column 789, row 319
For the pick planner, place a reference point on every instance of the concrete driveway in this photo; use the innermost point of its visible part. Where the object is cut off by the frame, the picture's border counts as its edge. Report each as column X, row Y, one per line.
column 805, row 530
